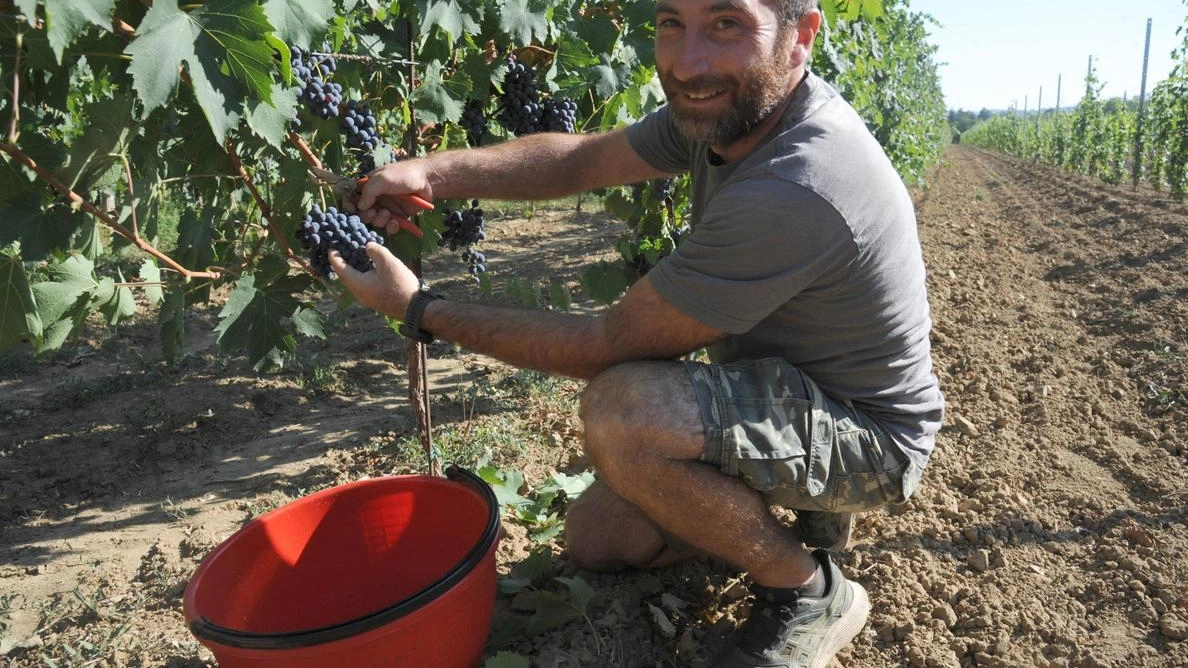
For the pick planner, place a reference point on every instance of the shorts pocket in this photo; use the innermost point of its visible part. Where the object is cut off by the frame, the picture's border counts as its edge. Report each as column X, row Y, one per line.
column 868, row 470
column 767, row 435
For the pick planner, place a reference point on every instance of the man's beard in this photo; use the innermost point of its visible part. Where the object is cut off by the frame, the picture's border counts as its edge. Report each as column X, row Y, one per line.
column 756, row 95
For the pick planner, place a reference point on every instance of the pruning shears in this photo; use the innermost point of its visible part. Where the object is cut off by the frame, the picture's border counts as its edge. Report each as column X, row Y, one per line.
column 345, row 187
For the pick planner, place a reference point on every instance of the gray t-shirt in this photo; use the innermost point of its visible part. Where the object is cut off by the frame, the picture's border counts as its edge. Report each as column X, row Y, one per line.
column 806, row 249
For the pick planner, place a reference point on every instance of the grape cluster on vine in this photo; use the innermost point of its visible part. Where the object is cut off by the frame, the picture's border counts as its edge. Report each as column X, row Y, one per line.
column 662, row 189
column 474, row 122
column 321, row 98
column 522, row 110
column 359, row 126
column 464, row 228
column 324, row 231
column 560, row 116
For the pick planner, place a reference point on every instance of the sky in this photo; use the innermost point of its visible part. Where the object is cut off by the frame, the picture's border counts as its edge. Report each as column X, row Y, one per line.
column 996, row 54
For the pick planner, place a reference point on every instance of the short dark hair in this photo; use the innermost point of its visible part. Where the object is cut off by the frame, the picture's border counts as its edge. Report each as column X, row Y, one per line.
column 793, row 10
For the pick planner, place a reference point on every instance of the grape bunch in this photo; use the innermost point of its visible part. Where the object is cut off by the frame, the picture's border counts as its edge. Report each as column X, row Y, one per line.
column 321, row 98
column 662, row 189
column 324, row 231
column 522, row 111
column 474, row 122
column 358, row 124
column 464, row 228
column 559, row 116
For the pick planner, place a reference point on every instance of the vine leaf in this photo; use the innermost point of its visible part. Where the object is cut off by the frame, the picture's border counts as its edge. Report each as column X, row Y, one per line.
column 18, row 309
column 65, row 20
column 151, row 273
column 253, row 320
column 450, row 16
column 40, row 230
column 299, row 22
column 524, row 21
column 223, row 36
column 434, row 100
column 116, row 303
column 62, row 300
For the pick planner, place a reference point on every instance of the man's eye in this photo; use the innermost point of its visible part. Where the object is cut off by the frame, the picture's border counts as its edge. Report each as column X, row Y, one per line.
column 725, row 24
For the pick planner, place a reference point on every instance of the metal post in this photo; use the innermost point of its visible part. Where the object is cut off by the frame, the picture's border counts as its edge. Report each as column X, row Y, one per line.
column 1059, row 84
column 1138, row 132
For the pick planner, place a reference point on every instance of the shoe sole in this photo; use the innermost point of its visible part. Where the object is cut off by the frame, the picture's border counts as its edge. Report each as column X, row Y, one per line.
column 846, row 628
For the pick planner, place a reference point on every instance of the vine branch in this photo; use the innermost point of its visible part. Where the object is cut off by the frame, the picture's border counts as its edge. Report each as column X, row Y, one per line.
column 265, row 209
column 81, row 202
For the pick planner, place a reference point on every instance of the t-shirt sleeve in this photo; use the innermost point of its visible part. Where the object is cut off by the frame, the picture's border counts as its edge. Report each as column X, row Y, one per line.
column 759, row 243
column 659, row 143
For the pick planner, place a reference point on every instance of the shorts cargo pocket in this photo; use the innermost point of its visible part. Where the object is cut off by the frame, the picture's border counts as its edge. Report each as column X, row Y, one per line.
column 869, row 468
column 766, row 435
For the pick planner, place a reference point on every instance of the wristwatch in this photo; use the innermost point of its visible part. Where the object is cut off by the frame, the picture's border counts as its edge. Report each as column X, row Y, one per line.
column 411, row 327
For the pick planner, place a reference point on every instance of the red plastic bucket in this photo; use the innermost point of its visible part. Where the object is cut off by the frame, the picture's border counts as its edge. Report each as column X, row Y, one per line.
column 396, row 571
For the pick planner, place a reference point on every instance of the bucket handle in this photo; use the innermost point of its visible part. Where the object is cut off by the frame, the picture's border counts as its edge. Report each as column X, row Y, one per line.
column 203, row 627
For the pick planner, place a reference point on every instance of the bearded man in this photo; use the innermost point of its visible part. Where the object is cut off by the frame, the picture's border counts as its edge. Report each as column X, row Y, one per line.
column 802, row 276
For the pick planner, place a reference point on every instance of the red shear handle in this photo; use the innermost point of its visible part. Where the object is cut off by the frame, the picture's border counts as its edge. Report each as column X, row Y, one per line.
column 415, row 200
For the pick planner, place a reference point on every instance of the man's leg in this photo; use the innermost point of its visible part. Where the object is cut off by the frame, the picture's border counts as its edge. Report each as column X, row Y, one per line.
column 605, row 533
column 645, row 435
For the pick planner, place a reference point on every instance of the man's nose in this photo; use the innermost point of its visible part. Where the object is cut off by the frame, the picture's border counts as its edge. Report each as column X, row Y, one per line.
column 693, row 57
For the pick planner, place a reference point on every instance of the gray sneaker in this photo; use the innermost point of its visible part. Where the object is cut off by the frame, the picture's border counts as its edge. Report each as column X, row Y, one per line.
column 804, row 634
column 830, row 531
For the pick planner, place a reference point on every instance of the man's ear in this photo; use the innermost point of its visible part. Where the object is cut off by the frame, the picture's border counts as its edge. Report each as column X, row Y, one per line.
column 806, row 33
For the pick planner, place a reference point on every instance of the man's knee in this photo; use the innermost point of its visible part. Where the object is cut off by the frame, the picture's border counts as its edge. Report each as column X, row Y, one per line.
column 641, row 409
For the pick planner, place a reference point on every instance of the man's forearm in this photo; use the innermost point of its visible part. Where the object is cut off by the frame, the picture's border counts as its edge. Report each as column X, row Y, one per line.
column 537, row 167
column 555, row 343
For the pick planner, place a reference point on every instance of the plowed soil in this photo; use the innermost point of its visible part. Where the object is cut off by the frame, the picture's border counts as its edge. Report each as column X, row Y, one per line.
column 1051, row 529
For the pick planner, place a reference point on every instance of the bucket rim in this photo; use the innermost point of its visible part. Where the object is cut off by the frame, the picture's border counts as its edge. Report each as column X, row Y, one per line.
column 203, row 628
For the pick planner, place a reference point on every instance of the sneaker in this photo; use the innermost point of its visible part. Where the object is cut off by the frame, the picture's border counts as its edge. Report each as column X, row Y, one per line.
column 817, row 529
column 803, row 634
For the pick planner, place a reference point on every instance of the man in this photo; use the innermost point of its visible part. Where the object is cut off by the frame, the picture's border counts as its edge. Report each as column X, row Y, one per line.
column 802, row 275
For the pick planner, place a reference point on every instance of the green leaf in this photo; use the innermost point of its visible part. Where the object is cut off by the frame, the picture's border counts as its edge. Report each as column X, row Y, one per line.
column 173, row 325
column 552, row 611
column 507, row 660
column 308, row 321
column 223, row 44
column 505, row 484
column 299, row 23
column 524, row 21
column 19, row 319
column 65, row 20
column 151, row 273
column 450, row 16
column 253, row 320
column 116, row 303
column 580, row 592
column 605, row 281
column 437, row 100
column 40, row 230
column 270, row 121
column 69, row 281
column 559, row 297
column 164, row 41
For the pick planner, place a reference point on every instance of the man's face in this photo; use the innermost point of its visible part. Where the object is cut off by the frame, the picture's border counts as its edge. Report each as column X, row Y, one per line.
column 725, row 65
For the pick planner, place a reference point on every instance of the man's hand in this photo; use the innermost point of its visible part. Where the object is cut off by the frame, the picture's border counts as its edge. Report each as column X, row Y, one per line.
column 388, row 289
column 392, row 180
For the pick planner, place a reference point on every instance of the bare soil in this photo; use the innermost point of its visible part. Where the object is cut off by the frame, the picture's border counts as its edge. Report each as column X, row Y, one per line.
column 1051, row 528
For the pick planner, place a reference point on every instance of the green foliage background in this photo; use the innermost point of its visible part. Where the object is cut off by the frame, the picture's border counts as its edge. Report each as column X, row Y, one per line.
column 179, row 114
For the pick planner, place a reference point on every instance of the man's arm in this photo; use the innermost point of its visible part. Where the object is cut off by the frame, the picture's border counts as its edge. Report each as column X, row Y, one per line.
column 642, row 325
column 536, row 167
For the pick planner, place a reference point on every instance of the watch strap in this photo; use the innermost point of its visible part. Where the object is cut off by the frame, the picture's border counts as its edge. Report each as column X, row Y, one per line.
column 411, row 327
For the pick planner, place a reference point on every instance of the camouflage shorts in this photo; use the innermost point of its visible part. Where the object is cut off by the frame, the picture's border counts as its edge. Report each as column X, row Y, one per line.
column 769, row 424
